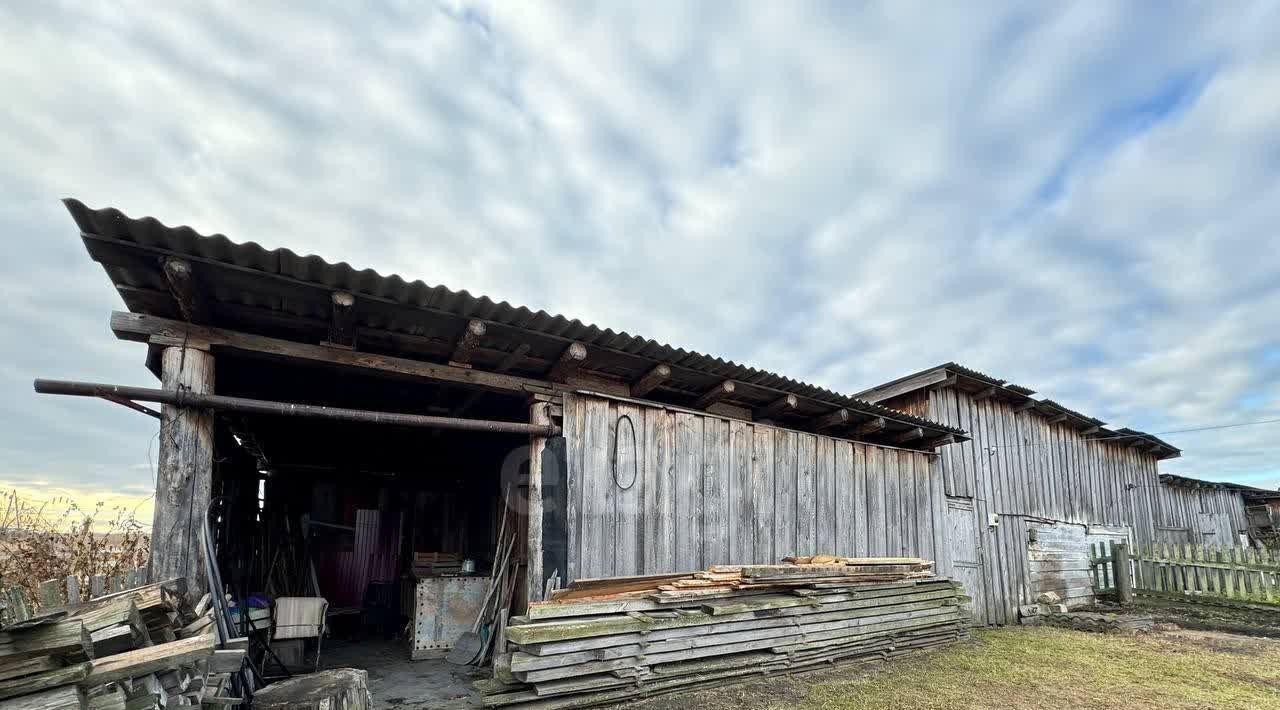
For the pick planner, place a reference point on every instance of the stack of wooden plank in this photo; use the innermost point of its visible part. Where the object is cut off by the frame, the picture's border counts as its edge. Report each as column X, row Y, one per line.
column 436, row 564
column 139, row 649
column 609, row 640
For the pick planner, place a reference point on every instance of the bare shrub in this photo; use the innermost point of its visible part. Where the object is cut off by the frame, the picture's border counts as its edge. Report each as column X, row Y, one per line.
column 42, row 541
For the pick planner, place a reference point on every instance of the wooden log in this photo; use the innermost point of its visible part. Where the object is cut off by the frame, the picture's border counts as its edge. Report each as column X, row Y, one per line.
column 870, row 426
column 568, row 363
column 185, row 473
column 62, row 638
column 467, row 342
column 908, row 435
column 786, row 404
column 27, row 685
column 182, row 285
column 338, row 689
column 650, row 381
column 68, row 697
column 149, row 660
column 342, row 321
column 984, row 394
column 715, row 394
column 831, row 420
column 29, row 666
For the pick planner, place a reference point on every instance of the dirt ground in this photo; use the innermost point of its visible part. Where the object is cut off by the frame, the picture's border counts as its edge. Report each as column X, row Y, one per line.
column 1030, row 669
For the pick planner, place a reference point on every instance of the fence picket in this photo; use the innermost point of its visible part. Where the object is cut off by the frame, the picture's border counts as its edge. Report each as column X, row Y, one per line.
column 73, row 589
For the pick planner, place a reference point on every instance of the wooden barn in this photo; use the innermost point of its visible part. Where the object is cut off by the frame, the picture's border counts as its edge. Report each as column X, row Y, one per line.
column 1212, row 513
column 348, row 435
column 1032, row 488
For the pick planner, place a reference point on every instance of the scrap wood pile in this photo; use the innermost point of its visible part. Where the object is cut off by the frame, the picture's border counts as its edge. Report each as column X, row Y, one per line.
column 609, row 640
column 138, row 649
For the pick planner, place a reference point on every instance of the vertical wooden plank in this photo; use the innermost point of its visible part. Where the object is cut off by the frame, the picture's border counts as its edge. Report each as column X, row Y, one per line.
column 909, row 545
column 877, row 535
column 892, row 504
column 597, row 490
column 715, row 492
column 784, row 493
column 659, row 492
column 861, row 503
column 762, row 487
column 826, row 496
column 925, row 505
column 626, row 431
column 97, row 586
column 806, row 492
column 688, row 463
column 574, row 421
column 73, row 589
column 49, row 593
column 743, row 513
column 847, row 505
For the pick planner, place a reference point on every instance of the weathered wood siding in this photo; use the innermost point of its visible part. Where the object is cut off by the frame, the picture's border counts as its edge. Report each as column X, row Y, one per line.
column 691, row 490
column 1018, row 467
column 1058, row 559
column 1209, row 516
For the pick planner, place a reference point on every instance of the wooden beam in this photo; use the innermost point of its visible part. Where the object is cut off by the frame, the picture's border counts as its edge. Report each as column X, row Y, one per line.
column 715, row 394
column 938, row 441
column 181, row 280
column 1090, row 431
column 870, row 426
column 570, row 360
column 1137, row 441
column 142, row 327
column 785, row 404
column 1156, row 448
column 651, row 379
column 184, row 472
column 943, row 384
column 984, row 394
column 911, row 384
column 837, row 418
column 342, row 324
column 467, row 342
column 908, row 435
column 1024, row 406
column 1057, row 419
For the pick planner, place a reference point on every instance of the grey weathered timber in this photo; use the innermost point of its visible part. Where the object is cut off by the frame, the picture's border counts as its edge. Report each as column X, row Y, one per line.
column 715, row 394
column 26, row 685
column 68, row 697
column 342, row 320
column 570, row 361
column 61, row 638
column 467, row 342
column 539, row 413
column 659, row 374
column 337, row 689
column 184, row 477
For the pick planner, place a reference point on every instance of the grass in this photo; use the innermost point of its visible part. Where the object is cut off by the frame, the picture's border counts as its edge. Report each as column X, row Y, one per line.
column 1012, row 669
column 1029, row 669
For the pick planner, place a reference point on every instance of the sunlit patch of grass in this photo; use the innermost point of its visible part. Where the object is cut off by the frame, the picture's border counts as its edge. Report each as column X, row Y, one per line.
column 1017, row 668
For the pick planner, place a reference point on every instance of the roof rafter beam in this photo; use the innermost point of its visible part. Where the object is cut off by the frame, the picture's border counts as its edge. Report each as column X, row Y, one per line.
column 650, row 380
column 342, row 324
column 569, row 363
column 182, row 285
column 870, row 426
column 909, row 435
column 715, row 394
column 984, row 394
column 1024, row 406
column 508, row 362
column 949, row 382
column 467, row 342
column 838, row 418
column 786, row 404
column 1090, row 431
column 938, row 441
column 1057, row 419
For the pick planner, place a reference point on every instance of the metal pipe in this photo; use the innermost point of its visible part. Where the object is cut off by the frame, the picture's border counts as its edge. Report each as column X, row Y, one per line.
column 183, row 398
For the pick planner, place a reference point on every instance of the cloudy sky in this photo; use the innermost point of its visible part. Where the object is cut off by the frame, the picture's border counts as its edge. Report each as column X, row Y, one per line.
column 1083, row 198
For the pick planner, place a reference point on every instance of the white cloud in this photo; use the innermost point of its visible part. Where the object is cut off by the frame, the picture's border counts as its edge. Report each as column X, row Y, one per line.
column 1080, row 198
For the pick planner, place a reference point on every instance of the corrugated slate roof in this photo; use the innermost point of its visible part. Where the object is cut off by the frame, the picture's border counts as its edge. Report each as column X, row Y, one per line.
column 131, row 249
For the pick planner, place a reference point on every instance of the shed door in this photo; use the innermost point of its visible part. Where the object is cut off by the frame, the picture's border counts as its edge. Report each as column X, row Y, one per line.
column 966, row 557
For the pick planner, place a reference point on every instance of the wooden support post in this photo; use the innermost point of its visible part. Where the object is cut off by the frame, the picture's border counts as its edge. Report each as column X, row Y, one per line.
column 184, row 475
column 650, row 380
column 467, row 342
column 715, row 394
column 570, row 360
column 786, row 404
column 342, row 324
column 984, row 394
column 181, row 280
column 831, row 420
column 1120, row 573
column 870, row 426
column 909, row 435
column 539, row 413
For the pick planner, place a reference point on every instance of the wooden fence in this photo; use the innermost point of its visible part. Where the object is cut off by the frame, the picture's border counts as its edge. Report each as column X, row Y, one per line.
column 1243, row 573
column 15, row 605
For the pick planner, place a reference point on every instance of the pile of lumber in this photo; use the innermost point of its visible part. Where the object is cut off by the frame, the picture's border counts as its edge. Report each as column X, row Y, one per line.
column 436, row 564
column 139, row 649
column 609, row 640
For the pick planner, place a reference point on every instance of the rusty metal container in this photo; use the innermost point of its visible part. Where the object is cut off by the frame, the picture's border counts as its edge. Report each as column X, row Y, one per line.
column 443, row 609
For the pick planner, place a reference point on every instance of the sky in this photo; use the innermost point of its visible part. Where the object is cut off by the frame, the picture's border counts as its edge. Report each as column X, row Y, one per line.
column 1079, row 197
